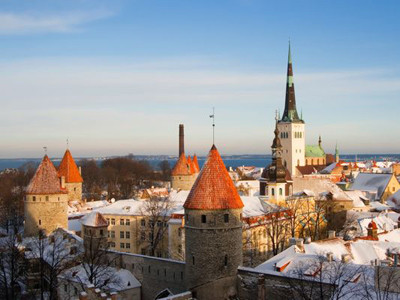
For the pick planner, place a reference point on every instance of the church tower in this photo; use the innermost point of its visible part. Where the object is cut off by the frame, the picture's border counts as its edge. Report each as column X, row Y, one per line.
column 291, row 127
column 275, row 181
column 213, row 232
column 45, row 201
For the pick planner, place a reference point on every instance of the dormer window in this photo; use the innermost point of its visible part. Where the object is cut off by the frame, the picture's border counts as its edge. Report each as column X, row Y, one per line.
column 226, row 218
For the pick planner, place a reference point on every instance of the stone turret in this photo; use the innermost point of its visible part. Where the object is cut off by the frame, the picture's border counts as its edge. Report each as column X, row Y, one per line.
column 213, row 232
column 72, row 174
column 45, row 206
column 94, row 232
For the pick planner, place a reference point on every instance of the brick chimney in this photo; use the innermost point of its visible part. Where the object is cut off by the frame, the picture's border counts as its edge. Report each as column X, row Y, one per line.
column 181, row 140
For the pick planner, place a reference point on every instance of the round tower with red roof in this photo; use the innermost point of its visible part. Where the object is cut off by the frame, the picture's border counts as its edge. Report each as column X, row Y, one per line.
column 213, row 232
column 46, row 201
column 72, row 177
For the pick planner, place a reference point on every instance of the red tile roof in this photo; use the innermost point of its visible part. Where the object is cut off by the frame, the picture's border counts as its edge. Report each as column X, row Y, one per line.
column 69, row 169
column 181, row 167
column 45, row 181
column 196, row 163
column 213, row 188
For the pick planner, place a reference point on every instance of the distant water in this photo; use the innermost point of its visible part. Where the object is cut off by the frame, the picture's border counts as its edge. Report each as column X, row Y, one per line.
column 229, row 160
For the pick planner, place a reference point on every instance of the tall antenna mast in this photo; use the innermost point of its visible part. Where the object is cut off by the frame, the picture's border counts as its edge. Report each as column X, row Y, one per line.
column 213, row 124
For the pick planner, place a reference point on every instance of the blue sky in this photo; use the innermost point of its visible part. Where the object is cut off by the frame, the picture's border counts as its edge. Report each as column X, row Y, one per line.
column 117, row 77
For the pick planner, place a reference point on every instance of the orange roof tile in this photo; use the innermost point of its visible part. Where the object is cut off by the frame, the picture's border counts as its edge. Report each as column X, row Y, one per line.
column 69, row 169
column 191, row 165
column 181, row 167
column 45, row 181
column 196, row 163
column 213, row 188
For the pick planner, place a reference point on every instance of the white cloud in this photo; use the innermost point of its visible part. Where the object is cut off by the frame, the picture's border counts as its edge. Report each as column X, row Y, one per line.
column 25, row 23
column 117, row 107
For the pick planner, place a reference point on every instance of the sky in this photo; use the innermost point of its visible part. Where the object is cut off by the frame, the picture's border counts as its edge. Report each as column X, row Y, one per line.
column 117, row 77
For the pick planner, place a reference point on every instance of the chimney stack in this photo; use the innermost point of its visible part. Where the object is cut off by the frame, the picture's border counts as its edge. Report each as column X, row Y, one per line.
column 181, row 140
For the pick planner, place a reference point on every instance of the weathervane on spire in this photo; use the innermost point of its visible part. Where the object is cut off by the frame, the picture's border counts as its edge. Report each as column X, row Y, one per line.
column 67, row 143
column 213, row 124
column 45, row 150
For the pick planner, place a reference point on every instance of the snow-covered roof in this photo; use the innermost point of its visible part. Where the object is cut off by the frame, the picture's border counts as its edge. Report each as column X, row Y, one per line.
column 122, row 278
column 319, row 186
column 357, row 197
column 94, row 219
column 383, row 221
column 371, row 182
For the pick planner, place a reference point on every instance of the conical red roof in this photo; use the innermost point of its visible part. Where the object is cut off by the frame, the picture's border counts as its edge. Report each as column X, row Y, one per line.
column 196, row 163
column 69, row 169
column 45, row 181
column 213, row 188
column 181, row 167
column 191, row 165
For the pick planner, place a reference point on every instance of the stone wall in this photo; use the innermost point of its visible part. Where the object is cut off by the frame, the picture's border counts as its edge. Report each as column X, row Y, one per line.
column 47, row 212
column 183, row 182
column 213, row 252
column 155, row 274
column 74, row 191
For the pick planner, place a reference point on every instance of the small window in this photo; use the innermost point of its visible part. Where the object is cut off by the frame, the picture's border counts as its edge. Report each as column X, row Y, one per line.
column 47, row 198
column 65, row 288
column 75, row 291
column 108, row 221
column 128, row 246
column 34, row 198
column 226, row 218
column 142, row 235
column 122, row 245
column 127, row 222
column 143, row 222
column 143, row 251
column 40, row 222
column 127, row 234
column 133, row 266
column 149, row 269
column 273, row 192
column 193, row 259
column 112, row 234
column 113, row 221
column 121, row 234
column 101, row 232
column 122, row 222
column 280, row 192
column 203, row 219
column 159, row 223
column 74, row 189
column 226, row 260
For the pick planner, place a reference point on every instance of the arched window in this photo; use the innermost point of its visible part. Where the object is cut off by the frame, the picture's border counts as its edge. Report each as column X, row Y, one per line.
column 280, row 192
column 273, row 192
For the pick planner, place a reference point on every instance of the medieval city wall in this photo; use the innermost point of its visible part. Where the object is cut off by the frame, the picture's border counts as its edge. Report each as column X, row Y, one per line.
column 74, row 191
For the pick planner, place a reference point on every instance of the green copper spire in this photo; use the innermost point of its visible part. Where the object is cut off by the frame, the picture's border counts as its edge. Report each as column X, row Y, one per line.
column 290, row 114
column 336, row 149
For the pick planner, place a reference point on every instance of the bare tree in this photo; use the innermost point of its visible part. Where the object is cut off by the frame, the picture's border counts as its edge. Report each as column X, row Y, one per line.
column 385, row 284
column 97, row 261
column 277, row 229
column 12, row 266
column 157, row 212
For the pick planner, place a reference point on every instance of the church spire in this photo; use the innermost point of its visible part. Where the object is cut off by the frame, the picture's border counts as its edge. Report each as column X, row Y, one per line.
column 290, row 114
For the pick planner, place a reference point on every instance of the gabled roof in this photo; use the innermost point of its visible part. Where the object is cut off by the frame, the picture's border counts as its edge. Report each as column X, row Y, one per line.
column 69, row 169
column 371, row 182
column 45, row 181
column 181, row 167
column 213, row 188
column 94, row 219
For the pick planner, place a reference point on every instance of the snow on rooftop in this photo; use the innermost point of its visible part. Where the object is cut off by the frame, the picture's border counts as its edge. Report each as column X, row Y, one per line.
column 124, row 279
column 371, row 182
column 357, row 197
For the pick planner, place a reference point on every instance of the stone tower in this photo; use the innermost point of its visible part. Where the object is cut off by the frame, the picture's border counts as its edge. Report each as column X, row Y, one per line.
column 275, row 181
column 213, row 232
column 291, row 127
column 337, row 157
column 185, row 171
column 94, row 233
column 72, row 174
column 45, row 206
